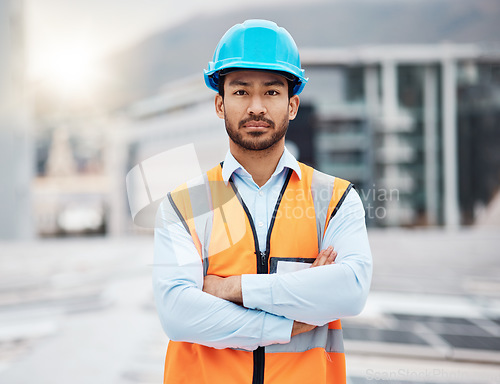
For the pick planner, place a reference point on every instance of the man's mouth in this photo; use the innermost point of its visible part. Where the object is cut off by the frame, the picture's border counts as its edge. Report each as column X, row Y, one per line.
column 256, row 124
column 259, row 123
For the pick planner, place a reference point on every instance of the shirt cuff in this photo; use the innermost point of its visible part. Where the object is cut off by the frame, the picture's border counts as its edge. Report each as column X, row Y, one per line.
column 277, row 329
column 256, row 291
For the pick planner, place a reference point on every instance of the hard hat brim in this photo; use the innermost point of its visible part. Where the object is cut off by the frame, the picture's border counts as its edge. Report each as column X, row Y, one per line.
column 212, row 76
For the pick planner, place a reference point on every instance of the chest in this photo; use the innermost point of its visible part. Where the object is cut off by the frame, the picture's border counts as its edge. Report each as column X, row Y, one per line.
column 287, row 229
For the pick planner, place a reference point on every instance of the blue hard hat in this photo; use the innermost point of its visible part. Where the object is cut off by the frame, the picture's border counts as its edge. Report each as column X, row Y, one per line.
column 257, row 44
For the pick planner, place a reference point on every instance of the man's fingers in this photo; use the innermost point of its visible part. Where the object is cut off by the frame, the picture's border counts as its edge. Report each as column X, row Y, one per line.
column 320, row 258
column 333, row 256
column 325, row 257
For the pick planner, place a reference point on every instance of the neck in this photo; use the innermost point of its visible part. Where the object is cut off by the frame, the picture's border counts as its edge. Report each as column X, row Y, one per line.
column 260, row 164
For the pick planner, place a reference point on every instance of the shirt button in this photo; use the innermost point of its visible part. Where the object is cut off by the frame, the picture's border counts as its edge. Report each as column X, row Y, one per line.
column 261, row 193
column 260, row 224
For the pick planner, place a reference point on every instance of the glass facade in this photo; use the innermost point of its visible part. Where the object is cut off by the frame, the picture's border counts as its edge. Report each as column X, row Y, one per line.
column 382, row 126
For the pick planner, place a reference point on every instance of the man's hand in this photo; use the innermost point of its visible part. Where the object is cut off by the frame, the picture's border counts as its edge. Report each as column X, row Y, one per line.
column 325, row 257
column 299, row 327
column 227, row 288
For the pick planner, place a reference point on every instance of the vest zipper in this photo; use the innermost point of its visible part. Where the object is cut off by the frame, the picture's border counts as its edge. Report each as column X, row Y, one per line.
column 262, row 257
column 259, row 355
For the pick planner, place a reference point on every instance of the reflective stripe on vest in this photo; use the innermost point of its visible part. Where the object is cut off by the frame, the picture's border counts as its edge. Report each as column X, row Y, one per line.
column 320, row 337
column 224, row 237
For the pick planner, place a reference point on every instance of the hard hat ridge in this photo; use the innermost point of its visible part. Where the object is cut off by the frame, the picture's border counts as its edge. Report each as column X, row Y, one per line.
column 256, row 44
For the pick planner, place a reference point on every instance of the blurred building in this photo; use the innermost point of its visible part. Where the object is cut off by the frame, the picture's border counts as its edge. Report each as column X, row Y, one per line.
column 398, row 123
column 70, row 195
column 16, row 140
column 413, row 126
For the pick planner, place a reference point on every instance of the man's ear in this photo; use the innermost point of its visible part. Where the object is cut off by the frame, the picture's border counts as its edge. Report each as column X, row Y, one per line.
column 219, row 106
column 293, row 107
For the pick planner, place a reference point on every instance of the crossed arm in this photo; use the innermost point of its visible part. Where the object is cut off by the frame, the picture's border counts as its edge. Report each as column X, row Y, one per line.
column 274, row 307
column 229, row 288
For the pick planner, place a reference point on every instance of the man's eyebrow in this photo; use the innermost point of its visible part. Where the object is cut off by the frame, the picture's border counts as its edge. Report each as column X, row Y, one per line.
column 239, row 82
column 270, row 83
column 274, row 82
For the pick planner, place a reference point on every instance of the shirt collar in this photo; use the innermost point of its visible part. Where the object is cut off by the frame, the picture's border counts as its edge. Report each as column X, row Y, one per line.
column 287, row 160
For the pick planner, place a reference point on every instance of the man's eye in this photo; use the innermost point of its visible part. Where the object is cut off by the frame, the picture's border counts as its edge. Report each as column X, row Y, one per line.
column 272, row 93
column 240, row 92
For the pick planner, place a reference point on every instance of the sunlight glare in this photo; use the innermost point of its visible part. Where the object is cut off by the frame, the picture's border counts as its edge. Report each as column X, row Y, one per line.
column 72, row 72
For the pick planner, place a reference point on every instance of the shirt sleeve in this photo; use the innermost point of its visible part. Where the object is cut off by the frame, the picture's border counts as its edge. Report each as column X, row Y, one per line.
column 321, row 294
column 189, row 314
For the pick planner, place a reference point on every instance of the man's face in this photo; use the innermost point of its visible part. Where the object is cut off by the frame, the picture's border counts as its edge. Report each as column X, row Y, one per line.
column 256, row 108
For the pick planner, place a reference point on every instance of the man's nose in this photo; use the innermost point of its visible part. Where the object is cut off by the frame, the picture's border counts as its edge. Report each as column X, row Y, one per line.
column 256, row 106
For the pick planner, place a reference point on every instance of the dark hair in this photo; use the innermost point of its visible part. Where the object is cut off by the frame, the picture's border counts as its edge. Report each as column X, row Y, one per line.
column 221, row 79
column 220, row 85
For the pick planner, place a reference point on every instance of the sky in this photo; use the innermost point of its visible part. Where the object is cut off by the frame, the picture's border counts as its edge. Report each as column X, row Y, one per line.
column 65, row 38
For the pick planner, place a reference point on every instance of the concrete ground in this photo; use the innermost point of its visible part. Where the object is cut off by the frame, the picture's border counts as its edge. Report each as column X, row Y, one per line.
column 81, row 311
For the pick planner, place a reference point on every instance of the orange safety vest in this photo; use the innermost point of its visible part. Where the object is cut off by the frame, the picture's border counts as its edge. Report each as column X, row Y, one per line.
column 226, row 241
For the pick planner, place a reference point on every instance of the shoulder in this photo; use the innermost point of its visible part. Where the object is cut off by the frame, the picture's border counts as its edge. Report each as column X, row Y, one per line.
column 351, row 205
column 322, row 180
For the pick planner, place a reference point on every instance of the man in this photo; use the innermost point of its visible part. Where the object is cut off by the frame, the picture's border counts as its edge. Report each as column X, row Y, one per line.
column 256, row 262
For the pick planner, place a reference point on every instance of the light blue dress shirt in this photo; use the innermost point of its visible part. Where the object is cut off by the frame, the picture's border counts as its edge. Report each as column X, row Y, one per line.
column 270, row 302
